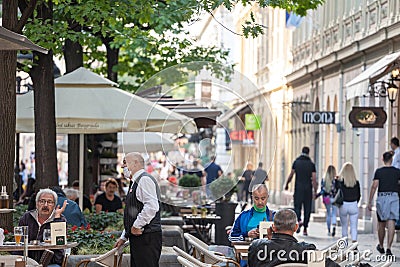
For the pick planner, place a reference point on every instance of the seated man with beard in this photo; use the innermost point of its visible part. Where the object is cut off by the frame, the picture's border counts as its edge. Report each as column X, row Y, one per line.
column 40, row 218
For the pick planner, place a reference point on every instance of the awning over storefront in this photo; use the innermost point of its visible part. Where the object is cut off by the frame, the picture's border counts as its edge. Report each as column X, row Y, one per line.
column 12, row 41
column 227, row 115
column 204, row 117
column 358, row 87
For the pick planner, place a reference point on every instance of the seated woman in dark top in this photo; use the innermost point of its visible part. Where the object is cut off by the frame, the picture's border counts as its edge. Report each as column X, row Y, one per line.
column 108, row 201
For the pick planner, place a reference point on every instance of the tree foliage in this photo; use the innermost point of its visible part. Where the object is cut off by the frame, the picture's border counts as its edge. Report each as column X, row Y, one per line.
column 136, row 38
column 132, row 39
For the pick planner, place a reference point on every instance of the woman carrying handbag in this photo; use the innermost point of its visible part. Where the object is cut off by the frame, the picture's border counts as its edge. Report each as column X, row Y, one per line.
column 348, row 212
column 328, row 192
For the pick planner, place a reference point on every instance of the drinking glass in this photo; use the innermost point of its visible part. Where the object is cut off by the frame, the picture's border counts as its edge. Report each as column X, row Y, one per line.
column 47, row 236
column 18, row 233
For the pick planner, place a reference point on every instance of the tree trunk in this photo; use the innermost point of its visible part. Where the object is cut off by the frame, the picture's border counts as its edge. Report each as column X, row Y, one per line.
column 112, row 60
column 73, row 158
column 44, row 103
column 73, row 54
column 8, row 69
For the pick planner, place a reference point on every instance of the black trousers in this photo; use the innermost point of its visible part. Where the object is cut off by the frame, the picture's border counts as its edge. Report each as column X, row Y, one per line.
column 303, row 198
column 145, row 249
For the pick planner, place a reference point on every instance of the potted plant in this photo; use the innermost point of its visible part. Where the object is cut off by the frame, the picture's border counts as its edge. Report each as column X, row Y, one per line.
column 190, row 181
column 223, row 188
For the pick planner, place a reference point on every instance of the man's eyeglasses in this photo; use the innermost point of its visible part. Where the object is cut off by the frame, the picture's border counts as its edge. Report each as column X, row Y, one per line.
column 48, row 202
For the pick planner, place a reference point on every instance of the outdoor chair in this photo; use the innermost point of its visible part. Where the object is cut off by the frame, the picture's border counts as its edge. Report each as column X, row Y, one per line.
column 335, row 245
column 345, row 254
column 187, row 263
column 384, row 264
column 192, row 260
column 46, row 257
column 206, row 256
column 195, row 239
column 217, row 250
column 358, row 257
column 292, row 265
column 112, row 258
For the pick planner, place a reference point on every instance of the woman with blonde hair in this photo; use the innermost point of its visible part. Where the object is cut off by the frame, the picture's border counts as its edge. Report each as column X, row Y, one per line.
column 328, row 192
column 351, row 195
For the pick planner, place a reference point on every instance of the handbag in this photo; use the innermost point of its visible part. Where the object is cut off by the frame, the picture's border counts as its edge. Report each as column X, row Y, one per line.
column 326, row 200
column 338, row 199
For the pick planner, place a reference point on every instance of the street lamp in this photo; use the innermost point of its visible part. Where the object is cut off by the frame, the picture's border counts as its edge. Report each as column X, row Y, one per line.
column 386, row 89
column 392, row 91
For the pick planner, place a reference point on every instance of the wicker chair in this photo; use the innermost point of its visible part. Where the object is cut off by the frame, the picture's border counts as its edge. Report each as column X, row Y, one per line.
column 206, row 256
column 112, row 258
column 46, row 257
column 384, row 264
column 292, row 265
column 188, row 259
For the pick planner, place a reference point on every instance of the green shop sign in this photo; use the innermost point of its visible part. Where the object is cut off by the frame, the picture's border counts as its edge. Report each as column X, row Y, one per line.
column 252, row 122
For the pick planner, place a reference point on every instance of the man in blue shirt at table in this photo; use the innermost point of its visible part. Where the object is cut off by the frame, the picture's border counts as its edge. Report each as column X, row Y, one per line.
column 213, row 171
column 246, row 225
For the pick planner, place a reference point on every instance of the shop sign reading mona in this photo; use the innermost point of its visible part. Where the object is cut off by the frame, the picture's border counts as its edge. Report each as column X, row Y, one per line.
column 318, row 117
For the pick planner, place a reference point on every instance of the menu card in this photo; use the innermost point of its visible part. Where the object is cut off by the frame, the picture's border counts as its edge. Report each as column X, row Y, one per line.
column 58, row 233
column 263, row 228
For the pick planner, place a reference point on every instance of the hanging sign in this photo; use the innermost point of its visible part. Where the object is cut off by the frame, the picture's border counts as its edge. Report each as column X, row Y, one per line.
column 318, row 117
column 367, row 117
column 252, row 122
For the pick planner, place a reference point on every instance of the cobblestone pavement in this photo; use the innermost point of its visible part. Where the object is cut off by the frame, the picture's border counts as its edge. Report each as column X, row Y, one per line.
column 317, row 234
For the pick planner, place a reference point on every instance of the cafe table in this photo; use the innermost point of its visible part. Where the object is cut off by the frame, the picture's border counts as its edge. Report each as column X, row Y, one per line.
column 11, row 246
column 202, row 224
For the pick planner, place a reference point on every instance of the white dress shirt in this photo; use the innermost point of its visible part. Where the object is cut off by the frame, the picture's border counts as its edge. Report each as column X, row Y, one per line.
column 396, row 158
column 147, row 194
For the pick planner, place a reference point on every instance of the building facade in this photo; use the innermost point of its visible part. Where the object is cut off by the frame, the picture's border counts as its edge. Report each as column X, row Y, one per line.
column 334, row 44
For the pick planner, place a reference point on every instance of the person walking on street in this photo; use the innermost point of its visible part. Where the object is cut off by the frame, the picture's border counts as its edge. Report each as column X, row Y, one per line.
column 142, row 219
column 246, row 178
column 386, row 180
column 395, row 146
column 213, row 171
column 305, row 186
column 328, row 192
column 260, row 176
column 350, row 187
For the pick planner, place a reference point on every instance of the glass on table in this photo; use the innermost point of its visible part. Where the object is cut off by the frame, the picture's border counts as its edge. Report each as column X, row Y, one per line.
column 18, row 233
column 47, row 235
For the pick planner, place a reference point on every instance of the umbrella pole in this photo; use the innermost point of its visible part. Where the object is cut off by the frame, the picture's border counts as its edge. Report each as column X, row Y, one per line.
column 81, row 166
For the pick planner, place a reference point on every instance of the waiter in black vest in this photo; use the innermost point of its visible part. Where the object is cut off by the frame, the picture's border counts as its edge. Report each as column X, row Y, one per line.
column 142, row 220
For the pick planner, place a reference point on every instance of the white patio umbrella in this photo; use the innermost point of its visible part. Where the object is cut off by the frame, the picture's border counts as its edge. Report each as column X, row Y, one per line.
column 87, row 103
column 10, row 40
column 145, row 142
